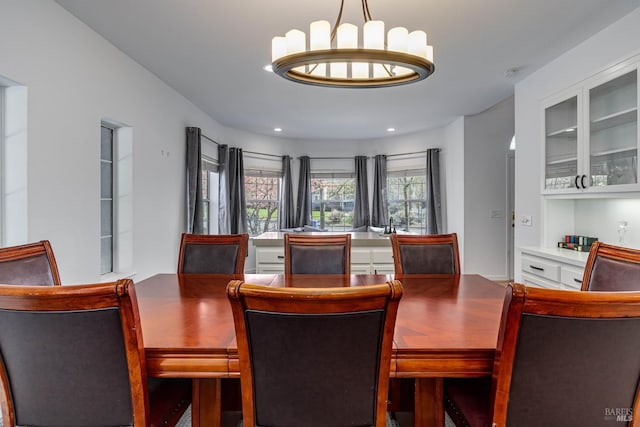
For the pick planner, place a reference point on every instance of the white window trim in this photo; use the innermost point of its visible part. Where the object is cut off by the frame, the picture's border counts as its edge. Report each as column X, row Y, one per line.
column 122, row 202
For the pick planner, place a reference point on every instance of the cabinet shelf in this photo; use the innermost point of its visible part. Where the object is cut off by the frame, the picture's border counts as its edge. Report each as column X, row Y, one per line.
column 562, row 160
column 615, row 119
column 566, row 132
column 631, row 151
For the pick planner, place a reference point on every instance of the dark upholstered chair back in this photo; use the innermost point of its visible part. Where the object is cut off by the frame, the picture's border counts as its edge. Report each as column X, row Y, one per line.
column 425, row 254
column 72, row 356
column 567, row 358
column 32, row 264
column 213, row 253
column 311, row 254
column 612, row 268
column 314, row 357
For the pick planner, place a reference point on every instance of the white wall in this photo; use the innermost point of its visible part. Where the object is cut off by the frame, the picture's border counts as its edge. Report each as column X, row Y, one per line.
column 453, row 197
column 75, row 78
column 612, row 45
column 486, row 144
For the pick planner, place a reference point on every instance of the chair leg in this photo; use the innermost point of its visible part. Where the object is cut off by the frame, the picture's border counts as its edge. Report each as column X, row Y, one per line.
column 205, row 406
column 429, row 410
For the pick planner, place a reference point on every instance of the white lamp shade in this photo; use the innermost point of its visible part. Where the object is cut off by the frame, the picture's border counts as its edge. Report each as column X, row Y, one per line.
column 373, row 35
column 360, row 70
column 338, row 70
column 347, row 36
column 430, row 53
column 278, row 48
column 398, row 39
column 418, row 43
column 320, row 35
column 296, row 41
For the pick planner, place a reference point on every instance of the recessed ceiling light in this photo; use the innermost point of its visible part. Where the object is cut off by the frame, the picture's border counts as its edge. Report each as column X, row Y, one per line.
column 268, row 68
column 277, row 129
column 391, row 129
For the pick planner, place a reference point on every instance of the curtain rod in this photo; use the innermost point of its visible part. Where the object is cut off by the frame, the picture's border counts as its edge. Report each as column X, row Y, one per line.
column 206, row 137
column 333, row 158
column 248, row 152
column 409, row 154
column 263, row 154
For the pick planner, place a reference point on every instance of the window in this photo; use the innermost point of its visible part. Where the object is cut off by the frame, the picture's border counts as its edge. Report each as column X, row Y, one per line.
column 210, row 180
column 332, row 200
column 13, row 163
column 406, row 196
column 116, row 200
column 106, row 200
column 262, row 194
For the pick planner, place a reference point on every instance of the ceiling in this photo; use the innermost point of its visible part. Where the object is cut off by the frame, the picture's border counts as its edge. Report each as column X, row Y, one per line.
column 212, row 52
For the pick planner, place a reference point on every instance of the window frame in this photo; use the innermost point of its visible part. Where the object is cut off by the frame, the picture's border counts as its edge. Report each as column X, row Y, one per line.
column 321, row 222
column 422, row 208
column 263, row 173
column 112, row 199
column 210, row 203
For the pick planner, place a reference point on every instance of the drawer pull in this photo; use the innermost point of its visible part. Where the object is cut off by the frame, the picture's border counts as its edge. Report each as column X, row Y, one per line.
column 536, row 268
column 577, row 280
column 280, row 256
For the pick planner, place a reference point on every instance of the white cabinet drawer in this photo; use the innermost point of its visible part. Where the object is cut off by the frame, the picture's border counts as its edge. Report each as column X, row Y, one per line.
column 360, row 256
column 382, row 256
column 539, row 282
column 571, row 277
column 360, row 269
column 541, row 267
column 270, row 255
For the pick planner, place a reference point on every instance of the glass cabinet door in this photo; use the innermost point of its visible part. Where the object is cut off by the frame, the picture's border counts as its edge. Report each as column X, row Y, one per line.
column 561, row 145
column 613, row 131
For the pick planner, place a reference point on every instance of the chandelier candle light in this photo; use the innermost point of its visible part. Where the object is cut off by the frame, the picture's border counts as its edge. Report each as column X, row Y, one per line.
column 333, row 57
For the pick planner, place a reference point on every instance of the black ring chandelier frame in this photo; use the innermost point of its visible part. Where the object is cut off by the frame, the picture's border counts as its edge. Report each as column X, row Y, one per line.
column 290, row 66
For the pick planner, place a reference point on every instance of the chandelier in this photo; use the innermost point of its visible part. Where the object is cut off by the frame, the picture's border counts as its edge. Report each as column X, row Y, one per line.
column 334, row 58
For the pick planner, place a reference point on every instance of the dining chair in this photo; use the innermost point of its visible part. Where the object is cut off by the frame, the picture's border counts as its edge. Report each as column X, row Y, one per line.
column 312, row 254
column 212, row 253
column 611, row 268
column 74, row 356
column 315, row 357
column 29, row 264
column 563, row 358
column 425, row 254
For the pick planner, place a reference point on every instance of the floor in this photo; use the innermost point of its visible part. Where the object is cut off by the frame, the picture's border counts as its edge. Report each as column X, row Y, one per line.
column 232, row 419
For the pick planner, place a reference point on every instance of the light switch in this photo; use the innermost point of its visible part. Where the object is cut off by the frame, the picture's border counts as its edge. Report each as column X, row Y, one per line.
column 526, row 220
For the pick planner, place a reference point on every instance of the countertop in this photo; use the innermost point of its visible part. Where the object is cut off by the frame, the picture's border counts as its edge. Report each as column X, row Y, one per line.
column 567, row 256
column 276, row 238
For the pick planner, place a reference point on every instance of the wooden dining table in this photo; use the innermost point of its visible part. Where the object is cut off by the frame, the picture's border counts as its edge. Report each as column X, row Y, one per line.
column 446, row 326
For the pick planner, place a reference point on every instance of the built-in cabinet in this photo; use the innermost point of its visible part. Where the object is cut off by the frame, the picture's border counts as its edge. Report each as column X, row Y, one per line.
column 591, row 139
column 370, row 253
column 552, row 268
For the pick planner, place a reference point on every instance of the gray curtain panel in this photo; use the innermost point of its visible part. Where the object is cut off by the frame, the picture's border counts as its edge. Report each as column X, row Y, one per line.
column 223, row 189
column 195, row 209
column 361, row 216
column 434, row 203
column 287, row 217
column 303, row 211
column 380, row 209
column 237, row 202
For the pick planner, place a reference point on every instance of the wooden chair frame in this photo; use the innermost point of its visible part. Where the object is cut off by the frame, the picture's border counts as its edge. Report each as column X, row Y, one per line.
column 243, row 296
column 121, row 295
column 242, row 240
column 315, row 240
column 28, row 250
column 398, row 240
column 599, row 249
column 520, row 299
